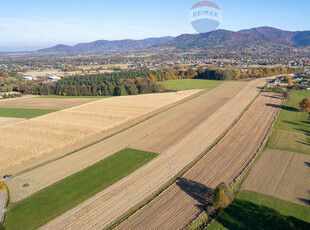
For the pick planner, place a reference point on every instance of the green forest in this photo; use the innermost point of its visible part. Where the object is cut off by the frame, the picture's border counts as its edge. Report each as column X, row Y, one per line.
column 128, row 82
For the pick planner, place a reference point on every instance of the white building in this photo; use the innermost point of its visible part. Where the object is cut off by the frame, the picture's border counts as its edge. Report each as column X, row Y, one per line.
column 53, row 78
column 30, row 78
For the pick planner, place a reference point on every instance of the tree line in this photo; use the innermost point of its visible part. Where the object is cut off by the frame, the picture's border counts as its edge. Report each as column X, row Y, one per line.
column 132, row 82
column 107, row 84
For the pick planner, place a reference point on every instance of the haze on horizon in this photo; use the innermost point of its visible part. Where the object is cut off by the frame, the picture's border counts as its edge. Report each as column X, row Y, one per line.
column 33, row 24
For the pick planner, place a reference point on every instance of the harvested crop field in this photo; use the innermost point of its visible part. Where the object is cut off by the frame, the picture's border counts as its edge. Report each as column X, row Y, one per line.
column 181, row 203
column 36, row 102
column 6, row 121
column 281, row 174
column 68, row 193
column 105, row 207
column 50, row 173
column 42, row 135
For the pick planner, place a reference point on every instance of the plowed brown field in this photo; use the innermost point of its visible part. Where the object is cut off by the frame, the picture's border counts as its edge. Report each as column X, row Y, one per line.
column 281, row 174
column 45, row 134
column 48, row 174
column 181, row 203
column 102, row 209
column 175, row 130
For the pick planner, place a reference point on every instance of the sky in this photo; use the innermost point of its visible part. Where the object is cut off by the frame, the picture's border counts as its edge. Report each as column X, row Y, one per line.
column 34, row 24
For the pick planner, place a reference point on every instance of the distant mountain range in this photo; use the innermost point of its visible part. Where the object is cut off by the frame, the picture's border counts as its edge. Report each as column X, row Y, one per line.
column 262, row 36
column 104, row 46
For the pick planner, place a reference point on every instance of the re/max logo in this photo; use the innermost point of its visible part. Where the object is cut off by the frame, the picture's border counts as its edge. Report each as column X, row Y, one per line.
column 205, row 12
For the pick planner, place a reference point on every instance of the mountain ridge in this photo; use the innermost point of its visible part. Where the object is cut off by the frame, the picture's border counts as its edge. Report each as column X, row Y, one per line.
column 225, row 39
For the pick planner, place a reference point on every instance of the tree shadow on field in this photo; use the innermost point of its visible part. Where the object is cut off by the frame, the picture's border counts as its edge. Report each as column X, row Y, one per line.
column 272, row 96
column 247, row 215
column 305, row 201
column 288, row 108
column 292, row 123
column 198, row 191
column 306, row 122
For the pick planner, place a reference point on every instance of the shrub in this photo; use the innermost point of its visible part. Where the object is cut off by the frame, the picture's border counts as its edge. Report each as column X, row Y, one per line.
column 223, row 196
column 2, row 186
column 1, row 226
column 305, row 105
column 276, row 89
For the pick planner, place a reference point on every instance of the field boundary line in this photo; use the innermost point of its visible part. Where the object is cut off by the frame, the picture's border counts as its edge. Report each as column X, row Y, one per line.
column 241, row 177
column 179, row 175
column 156, row 113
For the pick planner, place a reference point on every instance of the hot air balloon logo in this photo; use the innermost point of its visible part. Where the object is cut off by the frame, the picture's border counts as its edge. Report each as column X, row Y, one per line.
column 205, row 16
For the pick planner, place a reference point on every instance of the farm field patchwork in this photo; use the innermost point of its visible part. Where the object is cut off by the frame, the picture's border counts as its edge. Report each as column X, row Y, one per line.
column 292, row 128
column 24, row 113
column 281, row 174
column 171, row 133
column 49, row 102
column 107, row 206
column 252, row 210
column 179, row 205
column 42, row 135
column 50, row 173
column 45, row 205
column 186, row 84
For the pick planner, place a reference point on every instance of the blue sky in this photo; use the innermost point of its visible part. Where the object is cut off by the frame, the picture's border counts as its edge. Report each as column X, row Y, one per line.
column 34, row 24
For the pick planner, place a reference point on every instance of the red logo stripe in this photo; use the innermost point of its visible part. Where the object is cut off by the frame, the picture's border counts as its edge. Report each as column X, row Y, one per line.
column 205, row 3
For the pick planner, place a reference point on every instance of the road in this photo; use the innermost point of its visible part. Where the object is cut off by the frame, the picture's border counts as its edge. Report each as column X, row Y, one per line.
column 2, row 203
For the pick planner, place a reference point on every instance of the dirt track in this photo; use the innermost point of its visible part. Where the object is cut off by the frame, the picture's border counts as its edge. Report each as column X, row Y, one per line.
column 181, row 203
column 281, row 174
column 48, row 174
column 105, row 207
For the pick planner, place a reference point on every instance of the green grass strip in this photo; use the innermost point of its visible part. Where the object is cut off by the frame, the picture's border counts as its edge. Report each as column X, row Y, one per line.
column 24, row 113
column 44, row 206
column 252, row 210
column 187, row 84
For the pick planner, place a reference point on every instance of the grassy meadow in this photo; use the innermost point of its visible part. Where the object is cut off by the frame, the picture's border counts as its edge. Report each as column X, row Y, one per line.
column 252, row 210
column 24, row 113
column 187, row 84
column 292, row 128
column 42, row 207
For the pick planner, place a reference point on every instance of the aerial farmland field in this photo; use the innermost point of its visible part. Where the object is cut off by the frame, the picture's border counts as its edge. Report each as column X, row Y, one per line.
column 5, row 121
column 252, row 210
column 281, row 174
column 45, row 134
column 223, row 163
column 107, row 206
column 186, row 84
column 45, row 102
column 24, row 113
column 292, row 127
column 69, row 192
